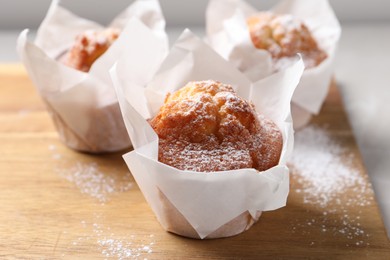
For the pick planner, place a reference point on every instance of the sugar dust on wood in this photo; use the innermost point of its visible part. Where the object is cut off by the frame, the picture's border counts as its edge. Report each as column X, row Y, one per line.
column 90, row 179
column 111, row 245
column 324, row 176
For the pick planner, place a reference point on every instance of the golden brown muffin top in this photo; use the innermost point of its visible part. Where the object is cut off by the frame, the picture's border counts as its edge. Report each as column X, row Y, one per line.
column 284, row 35
column 89, row 46
column 206, row 126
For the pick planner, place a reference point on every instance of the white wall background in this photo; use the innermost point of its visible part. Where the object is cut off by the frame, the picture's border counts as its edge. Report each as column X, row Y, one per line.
column 20, row 14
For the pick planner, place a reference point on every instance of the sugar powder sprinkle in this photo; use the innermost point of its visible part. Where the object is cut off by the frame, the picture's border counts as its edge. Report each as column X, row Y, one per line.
column 90, row 180
column 325, row 170
column 111, row 245
column 322, row 173
column 122, row 249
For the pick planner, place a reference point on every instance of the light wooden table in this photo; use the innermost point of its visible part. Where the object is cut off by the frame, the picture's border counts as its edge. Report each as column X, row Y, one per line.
column 57, row 203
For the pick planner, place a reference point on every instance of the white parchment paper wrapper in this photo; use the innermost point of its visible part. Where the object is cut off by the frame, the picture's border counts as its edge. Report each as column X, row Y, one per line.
column 228, row 34
column 195, row 204
column 83, row 105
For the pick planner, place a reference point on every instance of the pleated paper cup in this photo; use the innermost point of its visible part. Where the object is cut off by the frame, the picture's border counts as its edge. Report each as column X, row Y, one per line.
column 198, row 204
column 228, row 34
column 83, row 106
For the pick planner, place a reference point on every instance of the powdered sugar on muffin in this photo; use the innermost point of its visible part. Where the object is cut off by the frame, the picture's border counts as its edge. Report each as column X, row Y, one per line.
column 89, row 46
column 283, row 36
column 206, row 126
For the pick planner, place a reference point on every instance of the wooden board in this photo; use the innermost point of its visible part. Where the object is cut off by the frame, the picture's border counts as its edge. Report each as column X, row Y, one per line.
column 57, row 203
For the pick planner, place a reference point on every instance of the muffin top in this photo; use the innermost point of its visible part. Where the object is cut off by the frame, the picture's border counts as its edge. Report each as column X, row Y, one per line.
column 205, row 126
column 89, row 46
column 284, row 35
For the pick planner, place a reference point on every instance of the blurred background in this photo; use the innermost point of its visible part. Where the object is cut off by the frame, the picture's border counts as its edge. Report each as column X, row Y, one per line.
column 362, row 64
column 19, row 14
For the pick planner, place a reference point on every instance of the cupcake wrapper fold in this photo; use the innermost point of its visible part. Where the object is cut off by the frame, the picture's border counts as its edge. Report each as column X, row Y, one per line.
column 196, row 204
column 228, row 34
column 83, row 105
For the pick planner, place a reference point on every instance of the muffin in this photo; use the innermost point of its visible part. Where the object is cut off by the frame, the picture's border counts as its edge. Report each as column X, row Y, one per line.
column 89, row 46
column 205, row 126
column 69, row 62
column 283, row 36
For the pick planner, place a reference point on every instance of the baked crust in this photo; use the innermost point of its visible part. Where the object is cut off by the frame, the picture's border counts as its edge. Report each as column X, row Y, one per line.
column 206, row 126
column 284, row 36
column 88, row 47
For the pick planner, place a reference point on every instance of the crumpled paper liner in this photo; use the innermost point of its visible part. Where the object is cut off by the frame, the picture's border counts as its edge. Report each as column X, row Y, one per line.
column 197, row 204
column 83, row 106
column 177, row 223
column 228, row 34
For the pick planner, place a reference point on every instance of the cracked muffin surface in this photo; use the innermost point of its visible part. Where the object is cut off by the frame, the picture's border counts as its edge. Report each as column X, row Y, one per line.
column 89, row 46
column 283, row 36
column 205, row 126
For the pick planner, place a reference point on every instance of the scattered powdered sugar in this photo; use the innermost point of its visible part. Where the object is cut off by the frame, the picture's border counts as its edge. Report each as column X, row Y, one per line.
column 207, row 127
column 122, row 249
column 118, row 247
column 286, row 22
column 324, row 169
column 111, row 245
column 56, row 155
column 324, row 176
column 92, row 179
column 89, row 178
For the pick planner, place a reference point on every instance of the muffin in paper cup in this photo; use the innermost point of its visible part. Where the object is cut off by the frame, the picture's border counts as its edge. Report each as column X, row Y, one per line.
column 83, row 105
column 228, row 33
column 198, row 204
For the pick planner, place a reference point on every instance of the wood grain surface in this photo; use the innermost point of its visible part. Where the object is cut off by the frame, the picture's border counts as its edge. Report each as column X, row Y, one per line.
column 56, row 203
